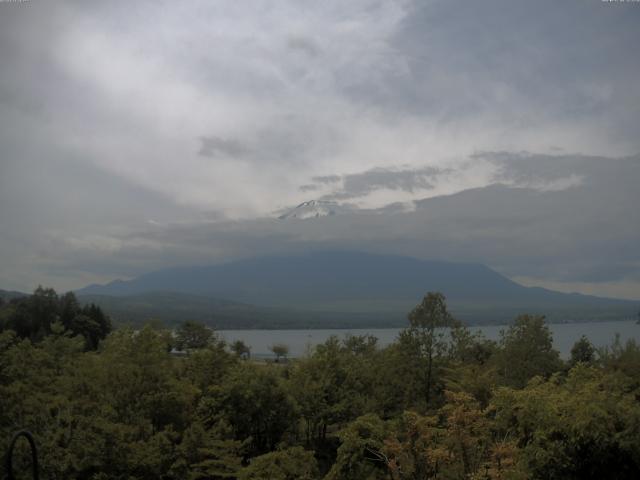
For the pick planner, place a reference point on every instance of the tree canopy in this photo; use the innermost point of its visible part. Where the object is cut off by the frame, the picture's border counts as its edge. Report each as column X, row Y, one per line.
column 131, row 409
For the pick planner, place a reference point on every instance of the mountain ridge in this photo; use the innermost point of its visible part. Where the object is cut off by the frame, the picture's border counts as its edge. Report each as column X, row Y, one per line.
column 360, row 283
column 312, row 209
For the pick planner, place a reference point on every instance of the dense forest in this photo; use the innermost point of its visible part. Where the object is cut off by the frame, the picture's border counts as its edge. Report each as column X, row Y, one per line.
column 438, row 403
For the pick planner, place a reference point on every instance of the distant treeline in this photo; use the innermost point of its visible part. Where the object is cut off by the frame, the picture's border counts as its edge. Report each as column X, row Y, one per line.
column 37, row 316
column 436, row 404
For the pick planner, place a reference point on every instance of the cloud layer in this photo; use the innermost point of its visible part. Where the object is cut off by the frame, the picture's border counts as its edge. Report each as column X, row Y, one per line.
column 129, row 132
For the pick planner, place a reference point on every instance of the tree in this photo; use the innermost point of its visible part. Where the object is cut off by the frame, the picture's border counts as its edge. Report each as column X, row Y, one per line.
column 88, row 328
column 208, row 453
column 360, row 453
column 526, row 351
column 334, row 385
column 624, row 358
column 294, row 463
column 138, row 381
column 32, row 317
column 255, row 402
column 279, row 350
column 192, row 335
column 582, row 351
column 582, row 425
column 241, row 349
column 425, row 334
column 360, row 344
column 68, row 309
column 100, row 318
column 208, row 366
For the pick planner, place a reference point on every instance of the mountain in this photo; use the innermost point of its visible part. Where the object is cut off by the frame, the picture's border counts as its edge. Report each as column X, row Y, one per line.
column 7, row 295
column 172, row 308
column 313, row 209
column 343, row 284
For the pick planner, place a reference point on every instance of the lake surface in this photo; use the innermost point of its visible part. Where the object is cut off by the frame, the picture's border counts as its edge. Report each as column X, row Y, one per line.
column 302, row 341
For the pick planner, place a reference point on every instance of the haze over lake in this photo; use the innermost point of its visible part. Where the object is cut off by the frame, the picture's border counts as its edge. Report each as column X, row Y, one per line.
column 300, row 341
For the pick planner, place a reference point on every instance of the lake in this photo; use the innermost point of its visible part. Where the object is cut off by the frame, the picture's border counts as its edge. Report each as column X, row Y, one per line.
column 301, row 341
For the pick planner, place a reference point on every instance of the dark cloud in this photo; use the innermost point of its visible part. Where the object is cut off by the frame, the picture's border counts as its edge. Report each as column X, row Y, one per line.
column 407, row 180
column 357, row 185
column 570, row 58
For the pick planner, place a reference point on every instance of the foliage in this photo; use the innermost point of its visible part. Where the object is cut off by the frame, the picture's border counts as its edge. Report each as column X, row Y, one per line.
column 254, row 401
column 624, row 358
column 294, row 463
column 193, row 335
column 359, row 456
column 241, row 349
column 126, row 407
column 583, row 426
column 582, row 351
column 526, row 351
column 424, row 340
column 280, row 350
column 32, row 317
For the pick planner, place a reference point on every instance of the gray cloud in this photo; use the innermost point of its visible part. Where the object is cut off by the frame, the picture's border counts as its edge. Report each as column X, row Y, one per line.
column 586, row 234
column 406, row 180
column 361, row 184
column 326, row 179
column 303, row 44
column 380, row 103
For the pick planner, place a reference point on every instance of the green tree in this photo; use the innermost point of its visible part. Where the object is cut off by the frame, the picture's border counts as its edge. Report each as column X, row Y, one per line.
column 335, row 384
column 193, row 335
column 241, row 349
column 360, row 455
column 526, row 350
column 88, row 328
column 207, row 367
column 103, row 322
column 255, row 402
column 136, row 377
column 68, row 309
column 470, row 368
column 584, row 425
column 426, row 337
column 622, row 358
column 361, row 345
column 280, row 350
column 293, row 463
column 208, row 453
column 32, row 317
column 582, row 351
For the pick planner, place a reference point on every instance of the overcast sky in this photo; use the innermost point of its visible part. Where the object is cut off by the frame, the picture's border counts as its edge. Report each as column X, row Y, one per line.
column 136, row 135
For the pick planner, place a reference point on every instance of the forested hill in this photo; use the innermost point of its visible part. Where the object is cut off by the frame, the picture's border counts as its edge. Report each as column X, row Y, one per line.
column 350, row 283
column 172, row 308
column 10, row 294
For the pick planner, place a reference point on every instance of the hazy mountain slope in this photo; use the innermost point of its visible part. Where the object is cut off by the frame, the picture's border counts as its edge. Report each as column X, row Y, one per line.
column 350, row 282
column 172, row 308
column 320, row 277
column 10, row 294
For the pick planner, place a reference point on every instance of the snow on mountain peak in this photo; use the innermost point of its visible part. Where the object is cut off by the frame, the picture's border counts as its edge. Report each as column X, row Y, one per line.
column 312, row 209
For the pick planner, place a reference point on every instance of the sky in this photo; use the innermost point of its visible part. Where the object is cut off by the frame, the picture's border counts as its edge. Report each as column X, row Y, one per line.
column 140, row 135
